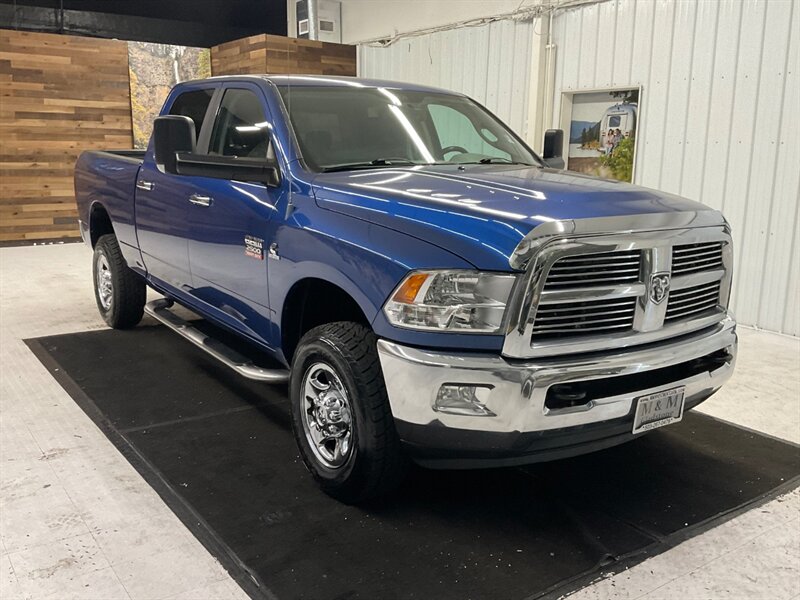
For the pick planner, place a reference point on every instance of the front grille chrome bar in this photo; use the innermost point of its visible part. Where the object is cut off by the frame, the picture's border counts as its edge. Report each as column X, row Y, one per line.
column 593, row 293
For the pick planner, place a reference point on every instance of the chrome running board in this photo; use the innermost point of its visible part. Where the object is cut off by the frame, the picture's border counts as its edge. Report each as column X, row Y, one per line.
column 160, row 310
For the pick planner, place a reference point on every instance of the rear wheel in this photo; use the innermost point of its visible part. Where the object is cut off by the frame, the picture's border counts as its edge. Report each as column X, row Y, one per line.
column 341, row 417
column 120, row 293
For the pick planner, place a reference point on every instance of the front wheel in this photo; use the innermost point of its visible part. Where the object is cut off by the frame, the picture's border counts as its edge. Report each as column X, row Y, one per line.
column 341, row 417
column 120, row 293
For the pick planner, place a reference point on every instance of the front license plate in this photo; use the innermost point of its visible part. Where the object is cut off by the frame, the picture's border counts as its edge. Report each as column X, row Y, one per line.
column 659, row 409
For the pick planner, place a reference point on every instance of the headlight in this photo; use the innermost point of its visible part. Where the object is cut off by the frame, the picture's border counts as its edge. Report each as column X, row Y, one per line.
column 465, row 301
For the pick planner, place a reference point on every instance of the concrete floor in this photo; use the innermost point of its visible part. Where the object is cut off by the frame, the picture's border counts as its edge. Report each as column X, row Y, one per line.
column 77, row 521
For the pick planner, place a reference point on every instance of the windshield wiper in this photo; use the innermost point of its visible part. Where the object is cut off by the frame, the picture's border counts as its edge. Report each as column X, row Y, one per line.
column 377, row 162
column 491, row 160
column 393, row 162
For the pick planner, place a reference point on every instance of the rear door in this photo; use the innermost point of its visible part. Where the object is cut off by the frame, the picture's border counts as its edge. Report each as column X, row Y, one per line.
column 230, row 228
column 162, row 201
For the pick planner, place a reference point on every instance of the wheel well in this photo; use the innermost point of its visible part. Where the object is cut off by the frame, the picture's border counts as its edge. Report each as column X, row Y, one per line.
column 314, row 302
column 99, row 223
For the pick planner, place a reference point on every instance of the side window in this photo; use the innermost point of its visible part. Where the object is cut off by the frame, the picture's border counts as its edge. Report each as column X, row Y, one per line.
column 455, row 130
column 241, row 127
column 193, row 105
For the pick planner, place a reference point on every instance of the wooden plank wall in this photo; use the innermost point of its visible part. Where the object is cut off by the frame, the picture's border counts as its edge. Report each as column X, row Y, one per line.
column 291, row 55
column 59, row 95
column 240, row 57
column 279, row 55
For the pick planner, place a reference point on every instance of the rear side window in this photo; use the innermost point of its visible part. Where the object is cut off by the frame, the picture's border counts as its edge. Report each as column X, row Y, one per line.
column 193, row 105
column 241, row 127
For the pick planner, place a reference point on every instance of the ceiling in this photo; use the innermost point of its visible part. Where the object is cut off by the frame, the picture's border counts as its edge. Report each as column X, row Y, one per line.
column 195, row 23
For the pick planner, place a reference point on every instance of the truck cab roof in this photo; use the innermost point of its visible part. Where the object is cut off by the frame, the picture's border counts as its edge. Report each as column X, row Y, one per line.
column 328, row 81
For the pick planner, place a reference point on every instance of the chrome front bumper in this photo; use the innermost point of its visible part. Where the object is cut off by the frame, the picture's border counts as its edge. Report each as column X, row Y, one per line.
column 518, row 389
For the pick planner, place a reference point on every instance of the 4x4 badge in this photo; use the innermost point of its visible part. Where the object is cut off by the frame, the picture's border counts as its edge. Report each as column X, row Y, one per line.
column 659, row 286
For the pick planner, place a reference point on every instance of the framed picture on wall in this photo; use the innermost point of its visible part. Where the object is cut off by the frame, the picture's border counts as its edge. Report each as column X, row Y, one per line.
column 152, row 70
column 601, row 127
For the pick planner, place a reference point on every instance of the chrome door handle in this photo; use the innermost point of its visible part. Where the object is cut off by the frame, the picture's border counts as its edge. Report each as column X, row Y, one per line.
column 201, row 200
column 145, row 185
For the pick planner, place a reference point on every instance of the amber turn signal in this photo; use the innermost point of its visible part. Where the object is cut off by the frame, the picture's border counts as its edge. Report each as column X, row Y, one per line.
column 410, row 288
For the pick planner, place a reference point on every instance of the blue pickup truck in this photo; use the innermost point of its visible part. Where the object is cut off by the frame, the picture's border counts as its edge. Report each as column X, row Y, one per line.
column 429, row 288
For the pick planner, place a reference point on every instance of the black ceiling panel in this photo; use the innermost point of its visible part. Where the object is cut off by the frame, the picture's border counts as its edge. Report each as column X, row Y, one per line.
column 191, row 23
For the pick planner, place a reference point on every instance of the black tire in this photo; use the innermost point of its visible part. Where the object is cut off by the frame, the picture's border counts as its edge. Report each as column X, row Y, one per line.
column 128, row 291
column 376, row 463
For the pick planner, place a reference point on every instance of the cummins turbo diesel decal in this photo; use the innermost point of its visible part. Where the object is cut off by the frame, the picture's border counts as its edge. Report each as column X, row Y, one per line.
column 254, row 247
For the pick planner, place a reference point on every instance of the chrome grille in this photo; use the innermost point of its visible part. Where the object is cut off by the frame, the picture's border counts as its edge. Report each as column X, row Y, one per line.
column 688, row 255
column 605, row 268
column 692, row 301
column 580, row 318
column 695, row 258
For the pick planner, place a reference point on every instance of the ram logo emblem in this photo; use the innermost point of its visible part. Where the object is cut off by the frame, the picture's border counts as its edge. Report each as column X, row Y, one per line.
column 659, row 286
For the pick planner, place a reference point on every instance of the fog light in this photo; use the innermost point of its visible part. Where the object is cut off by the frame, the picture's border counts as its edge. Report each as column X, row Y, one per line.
column 458, row 399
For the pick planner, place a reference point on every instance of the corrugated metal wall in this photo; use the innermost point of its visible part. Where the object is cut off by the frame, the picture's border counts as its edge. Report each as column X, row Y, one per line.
column 720, row 110
column 489, row 63
column 720, row 121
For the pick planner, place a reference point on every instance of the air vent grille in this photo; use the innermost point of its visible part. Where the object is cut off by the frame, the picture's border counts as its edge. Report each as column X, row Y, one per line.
column 584, row 270
column 695, row 258
column 693, row 301
column 582, row 318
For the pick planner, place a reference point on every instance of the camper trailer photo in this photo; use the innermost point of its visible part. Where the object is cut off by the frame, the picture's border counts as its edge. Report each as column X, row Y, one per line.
column 602, row 133
column 619, row 122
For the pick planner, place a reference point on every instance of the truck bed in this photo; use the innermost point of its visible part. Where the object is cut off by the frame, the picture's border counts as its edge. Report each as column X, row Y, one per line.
column 133, row 154
column 108, row 178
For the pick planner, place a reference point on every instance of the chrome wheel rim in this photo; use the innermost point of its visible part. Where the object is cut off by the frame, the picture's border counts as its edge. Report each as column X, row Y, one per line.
column 105, row 290
column 327, row 418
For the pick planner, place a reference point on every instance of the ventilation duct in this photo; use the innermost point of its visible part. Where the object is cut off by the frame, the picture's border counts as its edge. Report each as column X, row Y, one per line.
column 319, row 20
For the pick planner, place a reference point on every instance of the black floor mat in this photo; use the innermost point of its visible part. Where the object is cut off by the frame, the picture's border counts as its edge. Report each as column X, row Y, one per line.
column 219, row 450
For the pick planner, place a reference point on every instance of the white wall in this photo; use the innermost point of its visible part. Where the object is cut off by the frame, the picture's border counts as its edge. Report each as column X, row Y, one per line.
column 489, row 63
column 369, row 19
column 720, row 108
column 720, row 121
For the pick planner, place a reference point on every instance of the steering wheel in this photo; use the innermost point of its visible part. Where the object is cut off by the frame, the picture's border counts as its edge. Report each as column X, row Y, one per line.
column 458, row 149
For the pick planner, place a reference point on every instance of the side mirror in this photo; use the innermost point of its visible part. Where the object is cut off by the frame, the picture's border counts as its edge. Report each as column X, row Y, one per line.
column 172, row 134
column 553, row 146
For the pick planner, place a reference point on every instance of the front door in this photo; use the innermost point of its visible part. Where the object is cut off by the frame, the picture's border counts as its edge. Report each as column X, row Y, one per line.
column 162, row 203
column 229, row 224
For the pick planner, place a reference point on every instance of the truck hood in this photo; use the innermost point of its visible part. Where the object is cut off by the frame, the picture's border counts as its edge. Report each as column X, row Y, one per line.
column 482, row 212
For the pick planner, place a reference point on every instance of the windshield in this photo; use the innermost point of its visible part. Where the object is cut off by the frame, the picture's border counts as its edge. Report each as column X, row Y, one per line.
column 340, row 128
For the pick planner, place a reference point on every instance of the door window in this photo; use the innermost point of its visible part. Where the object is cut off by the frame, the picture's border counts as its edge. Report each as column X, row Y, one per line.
column 241, row 127
column 194, row 105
